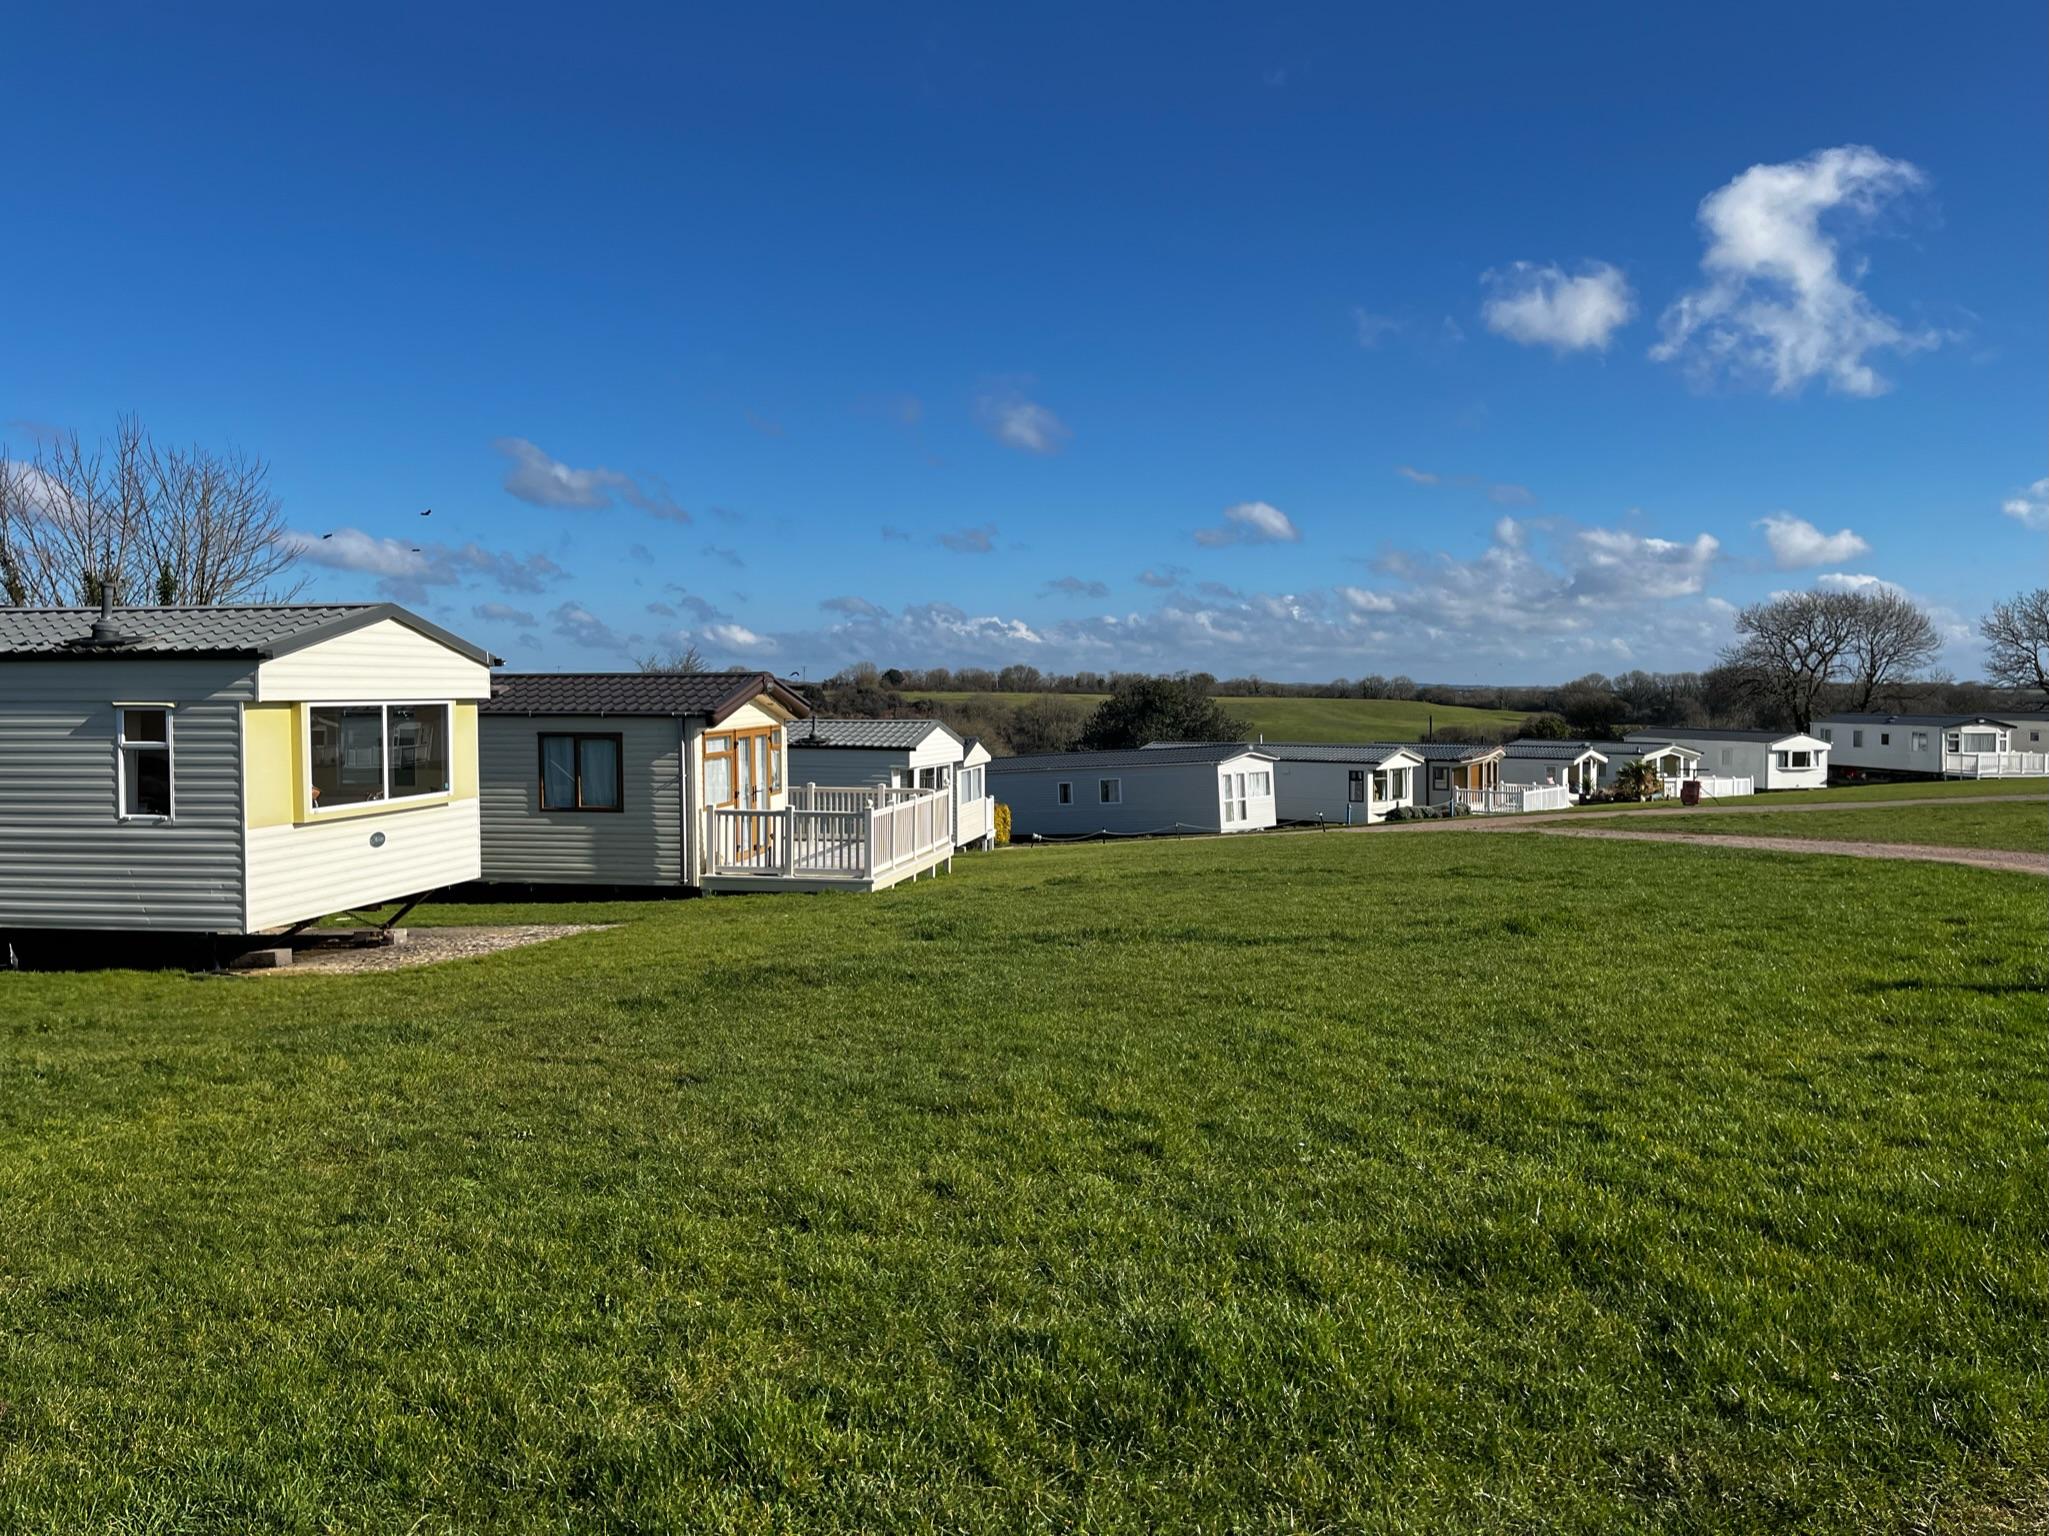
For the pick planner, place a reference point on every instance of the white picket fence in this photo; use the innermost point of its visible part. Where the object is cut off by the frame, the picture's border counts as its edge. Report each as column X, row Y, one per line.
column 1713, row 786
column 859, row 835
column 1511, row 799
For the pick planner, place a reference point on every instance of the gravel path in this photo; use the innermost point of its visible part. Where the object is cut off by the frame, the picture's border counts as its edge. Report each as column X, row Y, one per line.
column 426, row 946
column 1978, row 858
column 1779, row 804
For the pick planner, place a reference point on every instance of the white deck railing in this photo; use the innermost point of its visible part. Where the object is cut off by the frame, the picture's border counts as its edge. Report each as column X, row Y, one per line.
column 859, row 835
column 1995, row 765
column 1510, row 799
column 1713, row 786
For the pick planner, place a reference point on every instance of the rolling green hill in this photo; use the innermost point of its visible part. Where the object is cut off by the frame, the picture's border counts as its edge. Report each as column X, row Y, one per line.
column 1293, row 719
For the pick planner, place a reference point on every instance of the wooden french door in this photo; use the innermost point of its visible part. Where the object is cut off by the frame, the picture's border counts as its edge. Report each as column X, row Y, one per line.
column 743, row 770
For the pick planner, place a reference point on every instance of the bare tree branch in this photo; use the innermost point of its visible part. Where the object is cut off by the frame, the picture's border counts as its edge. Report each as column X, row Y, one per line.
column 2017, row 641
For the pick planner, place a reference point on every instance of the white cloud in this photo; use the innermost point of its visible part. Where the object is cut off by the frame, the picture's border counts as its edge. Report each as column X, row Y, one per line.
column 737, row 637
column 1796, row 543
column 1020, row 423
column 1614, row 562
column 1251, row 522
column 2029, row 508
column 1854, row 581
column 1373, row 329
column 536, row 477
column 1361, row 600
column 405, row 571
column 1776, row 304
column 1416, row 476
column 579, row 626
column 1544, row 306
column 503, row 613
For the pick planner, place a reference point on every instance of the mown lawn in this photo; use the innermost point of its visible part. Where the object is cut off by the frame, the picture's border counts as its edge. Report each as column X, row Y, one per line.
column 1344, row 1182
column 1964, row 825
column 1857, row 794
column 1292, row 719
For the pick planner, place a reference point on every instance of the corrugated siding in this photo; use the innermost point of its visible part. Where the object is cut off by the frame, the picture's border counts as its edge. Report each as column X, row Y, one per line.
column 848, row 766
column 66, row 860
column 642, row 845
column 310, row 870
column 385, row 660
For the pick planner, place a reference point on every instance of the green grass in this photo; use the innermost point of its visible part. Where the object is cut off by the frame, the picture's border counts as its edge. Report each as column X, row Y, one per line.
column 1858, row 794
column 2024, row 827
column 1290, row 719
column 1350, row 1182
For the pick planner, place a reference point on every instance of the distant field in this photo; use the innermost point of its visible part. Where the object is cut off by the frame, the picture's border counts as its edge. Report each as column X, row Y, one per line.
column 1307, row 719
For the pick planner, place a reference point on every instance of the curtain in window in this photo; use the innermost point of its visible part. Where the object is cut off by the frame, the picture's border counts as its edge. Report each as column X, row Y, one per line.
column 600, row 773
column 558, row 773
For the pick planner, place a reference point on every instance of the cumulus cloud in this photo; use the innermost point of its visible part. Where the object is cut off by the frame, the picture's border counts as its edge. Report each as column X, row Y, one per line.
column 736, row 637
column 1796, row 543
column 2029, row 508
column 540, row 479
column 1777, row 305
column 1616, row 562
column 661, row 610
column 1074, row 586
column 1361, row 600
column 1161, row 577
column 1545, row 306
column 1020, row 423
column 580, row 627
column 406, row 571
column 1416, row 476
column 970, row 541
column 1373, row 329
column 503, row 613
column 1854, row 581
column 1250, row 522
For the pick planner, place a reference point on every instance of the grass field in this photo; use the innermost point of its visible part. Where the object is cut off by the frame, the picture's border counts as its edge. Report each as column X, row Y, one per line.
column 2024, row 827
column 1287, row 719
column 1411, row 1183
column 1854, row 794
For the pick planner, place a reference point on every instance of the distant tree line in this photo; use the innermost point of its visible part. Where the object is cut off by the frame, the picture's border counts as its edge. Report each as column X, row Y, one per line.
column 1795, row 657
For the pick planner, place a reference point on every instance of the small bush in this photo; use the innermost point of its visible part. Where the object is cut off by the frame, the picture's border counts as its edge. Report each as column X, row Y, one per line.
column 1002, row 825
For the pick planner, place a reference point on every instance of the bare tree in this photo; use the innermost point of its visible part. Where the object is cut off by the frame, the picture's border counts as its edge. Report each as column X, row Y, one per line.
column 1790, row 649
column 2017, row 641
column 688, row 660
column 166, row 525
column 1891, row 639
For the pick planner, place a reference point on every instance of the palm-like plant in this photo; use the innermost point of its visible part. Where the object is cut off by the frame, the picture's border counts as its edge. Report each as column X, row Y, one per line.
column 1638, row 780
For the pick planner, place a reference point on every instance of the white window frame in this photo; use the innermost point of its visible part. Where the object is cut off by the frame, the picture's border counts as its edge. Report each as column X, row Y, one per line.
column 1355, row 779
column 1440, row 777
column 1063, row 792
column 1856, row 738
column 1109, row 791
column 123, row 746
column 1918, row 741
column 384, row 707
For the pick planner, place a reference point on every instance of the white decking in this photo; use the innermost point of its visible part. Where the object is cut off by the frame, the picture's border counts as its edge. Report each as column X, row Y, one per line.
column 830, row 839
column 1995, row 765
column 1510, row 799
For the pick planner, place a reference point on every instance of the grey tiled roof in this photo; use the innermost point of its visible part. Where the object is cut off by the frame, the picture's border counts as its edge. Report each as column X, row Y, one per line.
column 1561, row 751
column 1690, row 733
column 882, row 735
column 713, row 695
column 254, row 630
column 1136, row 757
column 1937, row 721
column 1369, row 752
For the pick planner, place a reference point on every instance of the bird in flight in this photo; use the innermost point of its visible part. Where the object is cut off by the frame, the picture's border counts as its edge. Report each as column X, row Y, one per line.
column 428, row 513
column 327, row 535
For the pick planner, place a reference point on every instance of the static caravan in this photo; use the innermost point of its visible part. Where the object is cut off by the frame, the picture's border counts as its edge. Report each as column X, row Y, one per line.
column 662, row 779
column 1456, row 771
column 1675, row 764
column 1771, row 759
column 920, row 754
column 1226, row 787
column 232, row 769
column 1933, row 746
column 1574, row 766
column 1336, row 783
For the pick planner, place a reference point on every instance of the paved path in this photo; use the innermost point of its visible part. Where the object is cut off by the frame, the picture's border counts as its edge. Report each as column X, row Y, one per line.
column 1979, row 858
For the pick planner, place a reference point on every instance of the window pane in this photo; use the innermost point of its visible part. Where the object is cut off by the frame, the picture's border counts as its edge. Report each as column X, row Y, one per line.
column 147, row 776
column 718, row 779
column 558, row 773
column 348, row 755
column 418, row 743
column 145, row 725
column 600, row 772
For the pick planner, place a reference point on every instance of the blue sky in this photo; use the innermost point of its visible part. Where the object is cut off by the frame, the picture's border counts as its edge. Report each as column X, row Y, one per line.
column 1482, row 344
